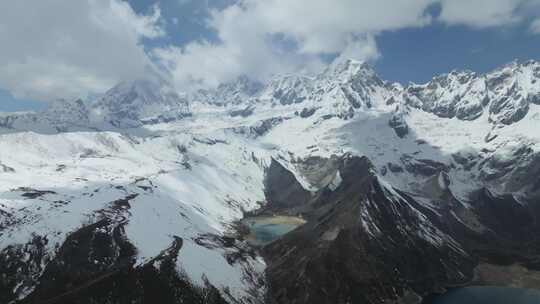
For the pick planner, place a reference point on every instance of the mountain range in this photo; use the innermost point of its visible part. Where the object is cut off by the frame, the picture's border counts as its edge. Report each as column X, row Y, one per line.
column 138, row 196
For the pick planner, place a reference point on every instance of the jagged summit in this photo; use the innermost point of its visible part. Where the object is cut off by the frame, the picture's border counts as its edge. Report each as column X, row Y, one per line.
column 127, row 105
column 504, row 94
column 130, row 103
column 344, row 69
column 288, row 89
column 68, row 112
column 230, row 93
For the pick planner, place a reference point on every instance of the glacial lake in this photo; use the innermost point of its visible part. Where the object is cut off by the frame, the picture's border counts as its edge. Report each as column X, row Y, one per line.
column 487, row 295
column 264, row 230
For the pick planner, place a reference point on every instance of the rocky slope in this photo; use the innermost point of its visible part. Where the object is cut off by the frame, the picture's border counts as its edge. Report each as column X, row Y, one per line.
column 364, row 242
column 404, row 189
column 367, row 242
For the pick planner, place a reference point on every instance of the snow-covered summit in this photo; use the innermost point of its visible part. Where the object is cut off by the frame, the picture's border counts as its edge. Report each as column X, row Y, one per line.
column 504, row 94
column 68, row 111
column 127, row 105
column 60, row 116
column 288, row 89
column 230, row 93
column 341, row 89
column 133, row 103
column 344, row 70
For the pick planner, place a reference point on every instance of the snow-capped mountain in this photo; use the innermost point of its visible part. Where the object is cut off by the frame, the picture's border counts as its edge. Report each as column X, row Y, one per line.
column 403, row 189
column 127, row 105
column 340, row 90
column 231, row 93
column 60, row 116
column 131, row 104
column 505, row 93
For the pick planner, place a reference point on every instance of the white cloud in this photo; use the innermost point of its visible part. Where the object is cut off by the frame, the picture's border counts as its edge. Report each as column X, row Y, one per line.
column 480, row 13
column 326, row 26
column 487, row 13
column 535, row 26
column 311, row 28
column 260, row 38
column 360, row 48
column 202, row 64
column 57, row 48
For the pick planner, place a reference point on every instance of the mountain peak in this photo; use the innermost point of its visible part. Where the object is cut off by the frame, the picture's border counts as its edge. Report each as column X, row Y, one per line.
column 129, row 103
column 60, row 104
column 242, row 85
column 148, row 88
column 516, row 66
column 348, row 67
column 233, row 92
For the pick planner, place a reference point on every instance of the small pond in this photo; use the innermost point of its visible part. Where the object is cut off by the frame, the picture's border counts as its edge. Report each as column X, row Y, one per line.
column 487, row 295
column 266, row 229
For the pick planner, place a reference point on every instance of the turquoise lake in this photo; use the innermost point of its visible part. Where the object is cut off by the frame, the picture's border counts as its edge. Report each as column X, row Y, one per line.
column 265, row 230
column 488, row 295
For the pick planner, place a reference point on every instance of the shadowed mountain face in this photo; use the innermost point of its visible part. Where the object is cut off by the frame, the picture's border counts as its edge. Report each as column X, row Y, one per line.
column 366, row 242
column 282, row 190
column 142, row 195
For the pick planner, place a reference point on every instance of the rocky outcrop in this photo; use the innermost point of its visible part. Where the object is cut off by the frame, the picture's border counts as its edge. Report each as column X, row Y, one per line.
column 20, row 267
column 509, row 107
column 305, row 113
column 282, row 189
column 398, row 123
column 260, row 128
column 242, row 112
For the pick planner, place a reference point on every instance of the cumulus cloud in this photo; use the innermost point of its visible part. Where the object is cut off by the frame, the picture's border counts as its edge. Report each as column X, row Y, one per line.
column 481, row 13
column 261, row 38
column 307, row 29
column 535, row 26
column 365, row 47
column 325, row 26
column 56, row 48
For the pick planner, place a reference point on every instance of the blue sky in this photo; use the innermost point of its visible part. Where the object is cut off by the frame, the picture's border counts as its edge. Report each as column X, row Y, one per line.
column 204, row 42
column 419, row 54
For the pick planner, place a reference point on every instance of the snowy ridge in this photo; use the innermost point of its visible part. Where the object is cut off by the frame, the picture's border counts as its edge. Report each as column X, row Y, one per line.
column 142, row 101
column 505, row 93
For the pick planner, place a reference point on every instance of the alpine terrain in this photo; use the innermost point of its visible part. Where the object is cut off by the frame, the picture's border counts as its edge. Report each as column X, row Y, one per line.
column 399, row 192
